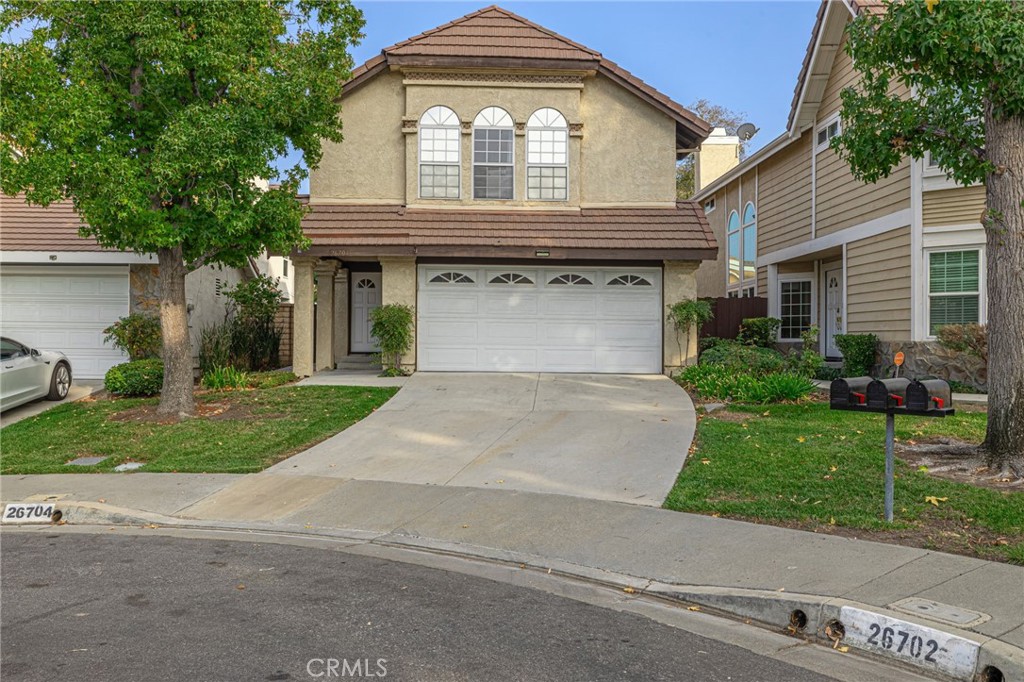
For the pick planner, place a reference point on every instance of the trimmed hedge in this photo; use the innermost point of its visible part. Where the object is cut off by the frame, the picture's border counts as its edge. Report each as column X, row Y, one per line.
column 717, row 382
column 859, row 351
column 137, row 378
column 746, row 359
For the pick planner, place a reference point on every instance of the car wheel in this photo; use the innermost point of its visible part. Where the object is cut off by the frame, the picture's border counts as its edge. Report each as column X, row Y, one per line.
column 60, row 382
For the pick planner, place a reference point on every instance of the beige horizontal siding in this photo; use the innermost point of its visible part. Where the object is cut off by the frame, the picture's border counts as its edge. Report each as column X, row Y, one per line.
column 957, row 206
column 878, row 285
column 762, row 282
column 784, row 192
column 793, row 268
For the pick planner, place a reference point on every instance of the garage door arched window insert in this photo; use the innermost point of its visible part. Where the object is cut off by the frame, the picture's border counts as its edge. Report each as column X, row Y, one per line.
column 366, row 284
column 570, row 279
column 629, row 281
column 451, row 278
column 510, row 278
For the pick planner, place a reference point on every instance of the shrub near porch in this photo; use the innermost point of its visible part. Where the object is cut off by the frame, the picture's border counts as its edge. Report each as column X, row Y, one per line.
column 805, row 466
column 237, row 431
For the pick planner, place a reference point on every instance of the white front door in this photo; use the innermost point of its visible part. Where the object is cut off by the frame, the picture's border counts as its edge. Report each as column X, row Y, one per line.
column 529, row 318
column 833, row 317
column 365, row 299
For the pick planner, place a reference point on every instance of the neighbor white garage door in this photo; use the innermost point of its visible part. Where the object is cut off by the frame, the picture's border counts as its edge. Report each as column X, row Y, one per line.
column 66, row 309
column 539, row 319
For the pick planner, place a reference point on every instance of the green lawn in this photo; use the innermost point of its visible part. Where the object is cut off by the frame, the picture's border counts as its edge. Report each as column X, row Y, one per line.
column 237, row 432
column 805, row 466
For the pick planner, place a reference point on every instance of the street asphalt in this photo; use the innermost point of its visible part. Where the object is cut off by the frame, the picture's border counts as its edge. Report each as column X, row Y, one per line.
column 119, row 608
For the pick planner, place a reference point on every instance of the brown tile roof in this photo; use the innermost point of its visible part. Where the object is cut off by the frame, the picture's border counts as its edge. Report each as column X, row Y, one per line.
column 496, row 38
column 24, row 227
column 619, row 231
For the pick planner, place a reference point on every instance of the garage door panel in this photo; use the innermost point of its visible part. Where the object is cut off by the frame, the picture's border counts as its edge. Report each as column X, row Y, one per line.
column 510, row 332
column 66, row 312
column 541, row 325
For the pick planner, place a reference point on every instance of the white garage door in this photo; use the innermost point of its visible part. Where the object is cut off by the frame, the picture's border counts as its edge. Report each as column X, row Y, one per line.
column 539, row 319
column 67, row 310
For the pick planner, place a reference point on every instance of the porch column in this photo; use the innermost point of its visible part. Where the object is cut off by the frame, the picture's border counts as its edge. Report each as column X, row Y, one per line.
column 325, row 270
column 398, row 285
column 680, row 285
column 302, row 317
column 341, row 329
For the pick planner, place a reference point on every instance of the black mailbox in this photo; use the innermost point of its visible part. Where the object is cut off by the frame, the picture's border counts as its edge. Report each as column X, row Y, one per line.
column 930, row 394
column 886, row 393
column 848, row 392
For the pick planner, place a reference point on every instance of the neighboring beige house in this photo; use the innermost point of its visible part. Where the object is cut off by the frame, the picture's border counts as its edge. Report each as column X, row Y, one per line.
column 517, row 190
column 59, row 291
column 896, row 258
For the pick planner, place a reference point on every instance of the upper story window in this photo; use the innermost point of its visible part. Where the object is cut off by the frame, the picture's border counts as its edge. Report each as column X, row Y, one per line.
column 709, row 205
column 439, row 154
column 547, row 156
column 749, row 246
column 741, row 250
column 493, row 163
column 733, row 249
column 826, row 131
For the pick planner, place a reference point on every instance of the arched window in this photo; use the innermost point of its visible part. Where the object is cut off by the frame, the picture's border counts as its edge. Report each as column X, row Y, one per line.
column 547, row 156
column 733, row 270
column 493, row 141
column 439, row 154
column 749, row 273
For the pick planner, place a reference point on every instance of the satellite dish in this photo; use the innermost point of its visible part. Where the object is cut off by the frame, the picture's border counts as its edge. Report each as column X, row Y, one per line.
column 746, row 131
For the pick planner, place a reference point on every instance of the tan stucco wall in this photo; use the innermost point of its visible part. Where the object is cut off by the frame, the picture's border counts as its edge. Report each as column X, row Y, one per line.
column 398, row 286
column 628, row 148
column 711, row 274
column 680, row 285
column 369, row 164
column 302, row 317
column 957, row 206
column 878, row 285
column 467, row 101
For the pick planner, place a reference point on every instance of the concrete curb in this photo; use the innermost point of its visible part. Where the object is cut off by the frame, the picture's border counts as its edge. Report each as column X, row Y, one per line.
column 774, row 610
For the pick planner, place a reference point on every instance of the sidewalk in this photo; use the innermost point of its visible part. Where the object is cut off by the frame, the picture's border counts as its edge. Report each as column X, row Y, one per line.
column 750, row 571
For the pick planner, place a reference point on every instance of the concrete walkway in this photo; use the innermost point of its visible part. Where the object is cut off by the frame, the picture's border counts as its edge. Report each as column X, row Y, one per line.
column 601, row 436
column 756, row 572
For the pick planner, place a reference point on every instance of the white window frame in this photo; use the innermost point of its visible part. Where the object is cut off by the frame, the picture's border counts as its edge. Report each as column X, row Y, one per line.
column 796, row 277
column 730, row 286
column 982, row 283
column 744, row 283
column 833, row 120
column 709, row 201
column 512, row 164
column 419, row 151
column 531, row 128
column 751, row 281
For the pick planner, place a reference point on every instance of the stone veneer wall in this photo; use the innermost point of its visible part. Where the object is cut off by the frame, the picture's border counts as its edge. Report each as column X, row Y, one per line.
column 928, row 358
column 144, row 289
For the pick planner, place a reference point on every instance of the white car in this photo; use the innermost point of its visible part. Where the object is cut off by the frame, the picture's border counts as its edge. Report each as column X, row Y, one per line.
column 27, row 374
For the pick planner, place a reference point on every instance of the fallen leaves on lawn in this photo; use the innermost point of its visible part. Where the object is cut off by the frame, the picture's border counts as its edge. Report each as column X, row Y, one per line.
column 801, row 439
column 935, row 500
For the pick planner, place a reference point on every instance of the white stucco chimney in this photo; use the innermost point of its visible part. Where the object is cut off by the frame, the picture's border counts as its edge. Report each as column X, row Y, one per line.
column 719, row 154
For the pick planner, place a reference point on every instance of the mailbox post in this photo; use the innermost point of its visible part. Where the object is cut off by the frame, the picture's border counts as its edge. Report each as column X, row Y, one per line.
column 928, row 398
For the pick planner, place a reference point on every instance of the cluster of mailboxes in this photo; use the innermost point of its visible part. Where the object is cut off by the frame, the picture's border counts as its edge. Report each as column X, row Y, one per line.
column 930, row 397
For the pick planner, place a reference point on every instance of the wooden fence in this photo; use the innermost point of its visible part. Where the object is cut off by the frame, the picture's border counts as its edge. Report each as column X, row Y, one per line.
column 730, row 312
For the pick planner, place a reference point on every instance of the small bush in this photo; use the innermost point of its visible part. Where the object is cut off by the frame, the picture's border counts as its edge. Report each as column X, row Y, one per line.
column 827, row 373
column 220, row 378
column 961, row 387
column 859, row 351
column 138, row 335
column 136, row 378
column 716, row 382
column 255, row 344
column 392, row 327
column 807, row 361
column 215, row 347
column 683, row 315
column 745, row 359
column 759, row 331
column 270, row 379
column 255, row 299
column 710, row 342
column 971, row 339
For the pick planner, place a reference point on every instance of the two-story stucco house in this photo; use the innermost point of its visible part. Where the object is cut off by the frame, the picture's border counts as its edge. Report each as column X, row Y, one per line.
column 897, row 258
column 517, row 190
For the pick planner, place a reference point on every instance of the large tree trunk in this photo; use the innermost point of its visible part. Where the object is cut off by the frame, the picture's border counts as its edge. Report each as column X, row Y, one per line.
column 176, row 398
column 1004, row 440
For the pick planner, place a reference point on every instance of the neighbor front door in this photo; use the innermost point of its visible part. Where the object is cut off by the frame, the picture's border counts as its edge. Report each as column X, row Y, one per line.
column 365, row 299
column 833, row 317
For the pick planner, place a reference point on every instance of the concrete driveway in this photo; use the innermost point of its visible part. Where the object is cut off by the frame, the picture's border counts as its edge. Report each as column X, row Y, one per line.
column 601, row 436
column 78, row 390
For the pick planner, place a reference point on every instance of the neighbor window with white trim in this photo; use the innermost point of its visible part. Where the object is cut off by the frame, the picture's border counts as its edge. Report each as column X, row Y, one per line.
column 749, row 246
column 795, row 308
column 547, row 156
column 733, row 241
column 493, row 142
column 825, row 133
column 439, row 154
column 741, row 246
column 954, row 288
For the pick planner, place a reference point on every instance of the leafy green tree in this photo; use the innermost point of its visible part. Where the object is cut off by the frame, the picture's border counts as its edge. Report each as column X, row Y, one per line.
column 948, row 78
column 157, row 118
column 719, row 117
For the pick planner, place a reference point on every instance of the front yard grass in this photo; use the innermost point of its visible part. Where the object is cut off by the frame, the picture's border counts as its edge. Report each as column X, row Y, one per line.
column 236, row 432
column 804, row 466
